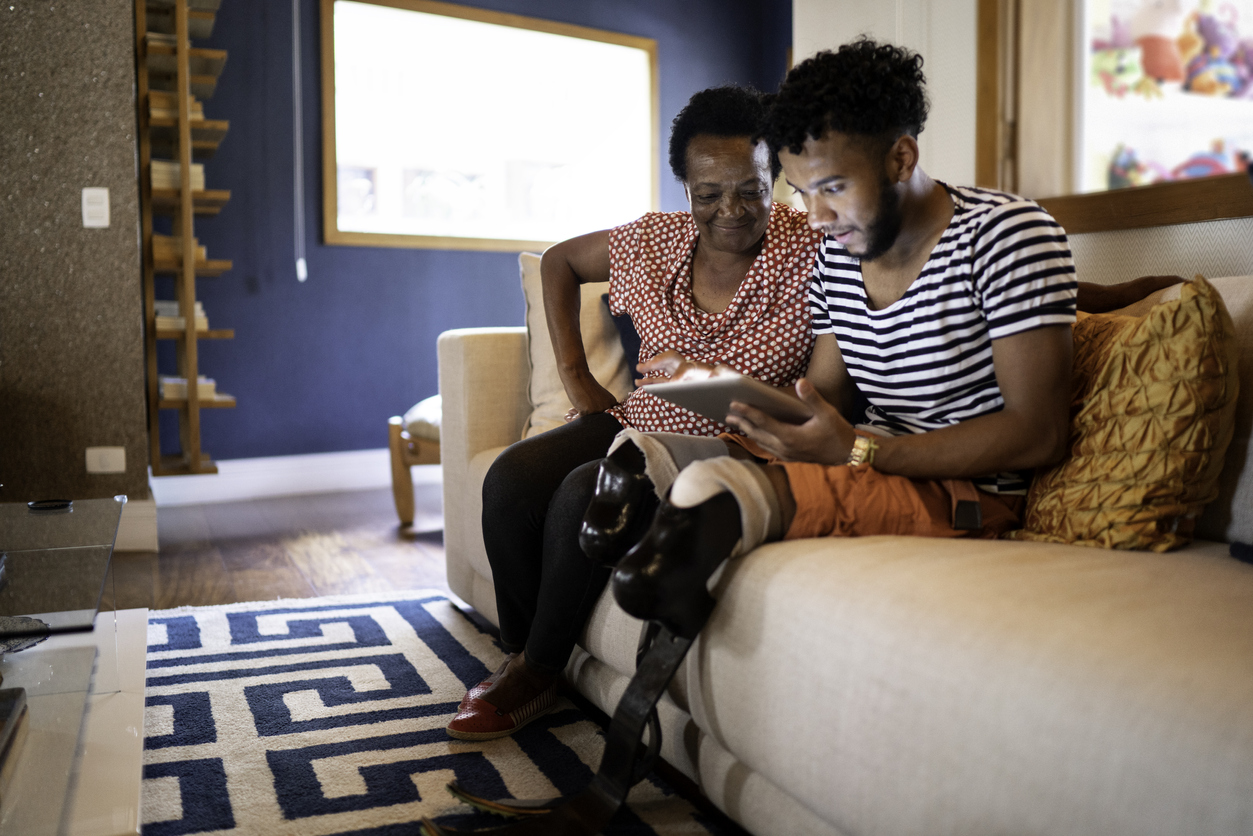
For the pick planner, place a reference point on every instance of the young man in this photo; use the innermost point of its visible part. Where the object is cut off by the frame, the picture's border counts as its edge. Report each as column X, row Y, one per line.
column 949, row 307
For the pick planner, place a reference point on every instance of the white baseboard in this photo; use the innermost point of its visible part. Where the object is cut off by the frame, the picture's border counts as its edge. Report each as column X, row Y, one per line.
column 241, row 479
column 137, row 530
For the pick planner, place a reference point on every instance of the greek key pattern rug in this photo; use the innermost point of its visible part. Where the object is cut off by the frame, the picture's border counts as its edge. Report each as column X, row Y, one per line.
column 326, row 716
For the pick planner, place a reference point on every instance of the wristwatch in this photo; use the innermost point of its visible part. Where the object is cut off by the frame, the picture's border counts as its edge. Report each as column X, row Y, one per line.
column 864, row 448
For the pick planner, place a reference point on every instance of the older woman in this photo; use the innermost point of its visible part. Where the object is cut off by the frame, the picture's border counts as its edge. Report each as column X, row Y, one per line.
column 724, row 283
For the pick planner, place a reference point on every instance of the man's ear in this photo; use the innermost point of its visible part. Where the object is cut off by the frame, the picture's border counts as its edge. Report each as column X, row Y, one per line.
column 902, row 159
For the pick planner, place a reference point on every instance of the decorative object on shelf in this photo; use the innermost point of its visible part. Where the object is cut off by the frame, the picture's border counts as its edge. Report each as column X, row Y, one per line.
column 174, row 80
column 175, row 388
column 165, row 175
column 168, row 318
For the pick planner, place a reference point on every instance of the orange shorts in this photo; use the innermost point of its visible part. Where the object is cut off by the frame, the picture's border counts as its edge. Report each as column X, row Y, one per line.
column 845, row 501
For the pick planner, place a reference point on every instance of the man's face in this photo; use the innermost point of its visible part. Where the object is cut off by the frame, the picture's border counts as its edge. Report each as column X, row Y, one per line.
column 846, row 187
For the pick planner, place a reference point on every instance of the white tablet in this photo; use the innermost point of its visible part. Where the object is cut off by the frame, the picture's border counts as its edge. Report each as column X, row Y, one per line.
column 712, row 397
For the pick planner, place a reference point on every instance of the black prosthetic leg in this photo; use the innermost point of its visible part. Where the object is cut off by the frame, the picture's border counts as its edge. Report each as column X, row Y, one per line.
column 621, row 509
column 621, row 766
column 679, row 554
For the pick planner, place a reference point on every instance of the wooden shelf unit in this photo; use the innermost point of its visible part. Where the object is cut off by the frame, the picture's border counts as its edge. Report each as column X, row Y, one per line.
column 216, row 402
column 211, row 334
column 207, row 202
column 164, row 59
column 161, row 20
column 176, row 466
column 167, row 62
column 202, row 86
column 205, row 268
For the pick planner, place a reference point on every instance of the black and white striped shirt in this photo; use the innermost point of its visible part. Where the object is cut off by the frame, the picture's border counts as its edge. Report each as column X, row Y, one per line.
column 1002, row 267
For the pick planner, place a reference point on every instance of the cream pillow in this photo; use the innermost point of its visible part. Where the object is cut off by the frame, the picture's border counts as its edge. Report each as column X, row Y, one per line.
column 549, row 403
column 423, row 418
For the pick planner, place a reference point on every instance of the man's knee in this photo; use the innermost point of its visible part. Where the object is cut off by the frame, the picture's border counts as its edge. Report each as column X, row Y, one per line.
column 747, row 482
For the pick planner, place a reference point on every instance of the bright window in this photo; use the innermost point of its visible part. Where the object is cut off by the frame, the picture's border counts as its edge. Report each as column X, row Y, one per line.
column 457, row 128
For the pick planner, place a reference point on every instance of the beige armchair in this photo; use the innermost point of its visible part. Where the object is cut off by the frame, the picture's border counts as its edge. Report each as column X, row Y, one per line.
column 412, row 439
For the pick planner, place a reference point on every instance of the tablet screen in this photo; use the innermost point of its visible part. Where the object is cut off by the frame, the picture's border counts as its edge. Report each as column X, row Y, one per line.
column 712, row 397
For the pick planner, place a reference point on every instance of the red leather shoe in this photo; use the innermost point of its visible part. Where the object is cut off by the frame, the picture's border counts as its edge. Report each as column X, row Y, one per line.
column 480, row 720
column 486, row 683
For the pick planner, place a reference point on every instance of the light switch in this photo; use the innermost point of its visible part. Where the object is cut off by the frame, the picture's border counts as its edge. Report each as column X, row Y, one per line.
column 106, row 459
column 95, row 207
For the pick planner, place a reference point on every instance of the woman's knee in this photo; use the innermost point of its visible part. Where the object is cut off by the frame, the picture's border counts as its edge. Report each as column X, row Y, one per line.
column 510, row 482
column 572, row 497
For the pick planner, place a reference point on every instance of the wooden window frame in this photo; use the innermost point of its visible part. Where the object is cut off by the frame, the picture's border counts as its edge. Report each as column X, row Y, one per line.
column 331, row 232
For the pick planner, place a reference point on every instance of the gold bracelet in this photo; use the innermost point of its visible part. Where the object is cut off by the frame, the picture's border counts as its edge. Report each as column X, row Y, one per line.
column 864, row 448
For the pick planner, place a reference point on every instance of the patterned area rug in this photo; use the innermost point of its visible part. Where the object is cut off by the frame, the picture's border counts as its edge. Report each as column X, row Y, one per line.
column 326, row 716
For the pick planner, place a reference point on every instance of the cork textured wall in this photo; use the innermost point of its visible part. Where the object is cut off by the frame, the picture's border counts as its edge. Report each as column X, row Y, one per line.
column 71, row 329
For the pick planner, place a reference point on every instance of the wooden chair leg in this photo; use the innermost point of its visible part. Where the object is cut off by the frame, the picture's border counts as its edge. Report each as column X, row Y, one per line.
column 402, row 481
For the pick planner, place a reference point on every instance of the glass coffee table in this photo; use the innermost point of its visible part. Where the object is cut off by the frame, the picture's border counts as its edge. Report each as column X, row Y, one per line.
column 78, row 769
column 56, row 556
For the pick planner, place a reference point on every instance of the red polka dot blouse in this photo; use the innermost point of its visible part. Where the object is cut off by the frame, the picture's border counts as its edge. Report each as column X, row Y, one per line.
column 765, row 332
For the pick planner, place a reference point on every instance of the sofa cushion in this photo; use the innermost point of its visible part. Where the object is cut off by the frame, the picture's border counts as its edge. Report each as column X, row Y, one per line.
column 1229, row 518
column 630, row 339
column 423, row 418
column 1153, row 406
column 549, row 403
column 907, row 685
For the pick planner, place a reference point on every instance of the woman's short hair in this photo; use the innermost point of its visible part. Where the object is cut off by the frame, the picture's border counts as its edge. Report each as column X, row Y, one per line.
column 864, row 88
column 719, row 111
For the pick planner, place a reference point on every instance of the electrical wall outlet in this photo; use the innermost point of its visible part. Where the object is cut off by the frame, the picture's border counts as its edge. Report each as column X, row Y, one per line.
column 95, row 207
column 106, row 459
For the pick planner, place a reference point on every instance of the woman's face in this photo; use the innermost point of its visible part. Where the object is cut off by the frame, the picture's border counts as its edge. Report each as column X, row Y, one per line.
column 729, row 188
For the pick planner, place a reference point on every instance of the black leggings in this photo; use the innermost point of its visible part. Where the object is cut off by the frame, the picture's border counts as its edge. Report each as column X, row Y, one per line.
column 534, row 498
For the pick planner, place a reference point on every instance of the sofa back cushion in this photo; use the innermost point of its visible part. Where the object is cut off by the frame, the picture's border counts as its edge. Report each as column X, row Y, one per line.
column 1153, row 416
column 1229, row 518
column 605, row 358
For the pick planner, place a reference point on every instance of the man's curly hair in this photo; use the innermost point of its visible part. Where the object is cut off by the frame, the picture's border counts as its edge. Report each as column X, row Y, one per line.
column 864, row 88
column 719, row 111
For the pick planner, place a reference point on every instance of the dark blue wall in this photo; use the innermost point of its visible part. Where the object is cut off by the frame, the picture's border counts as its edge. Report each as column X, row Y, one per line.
column 319, row 366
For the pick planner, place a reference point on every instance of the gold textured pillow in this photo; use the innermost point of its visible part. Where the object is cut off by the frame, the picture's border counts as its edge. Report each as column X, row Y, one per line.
column 1152, row 413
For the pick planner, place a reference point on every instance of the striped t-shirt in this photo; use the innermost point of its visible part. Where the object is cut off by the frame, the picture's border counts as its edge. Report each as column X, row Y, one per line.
column 1002, row 267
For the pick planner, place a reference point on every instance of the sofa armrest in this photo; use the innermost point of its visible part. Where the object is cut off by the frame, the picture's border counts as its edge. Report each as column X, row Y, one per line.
column 483, row 374
column 483, row 378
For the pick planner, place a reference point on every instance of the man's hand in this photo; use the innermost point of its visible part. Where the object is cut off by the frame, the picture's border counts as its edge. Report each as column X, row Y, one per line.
column 825, row 438
column 674, row 366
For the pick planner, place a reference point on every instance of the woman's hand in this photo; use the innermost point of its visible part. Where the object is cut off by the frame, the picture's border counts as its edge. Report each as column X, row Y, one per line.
column 674, row 366
column 1097, row 298
column 826, row 438
column 588, row 397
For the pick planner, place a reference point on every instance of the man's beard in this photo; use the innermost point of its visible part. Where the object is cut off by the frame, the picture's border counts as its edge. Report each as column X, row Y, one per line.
column 882, row 232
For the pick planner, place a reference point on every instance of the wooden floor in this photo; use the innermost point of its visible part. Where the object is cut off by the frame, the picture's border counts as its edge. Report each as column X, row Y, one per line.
column 288, row 547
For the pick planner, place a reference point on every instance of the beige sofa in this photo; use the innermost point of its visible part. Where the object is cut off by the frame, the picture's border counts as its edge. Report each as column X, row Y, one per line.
column 893, row 685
